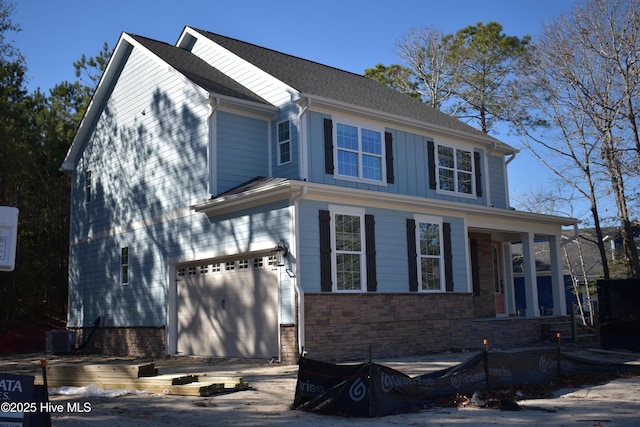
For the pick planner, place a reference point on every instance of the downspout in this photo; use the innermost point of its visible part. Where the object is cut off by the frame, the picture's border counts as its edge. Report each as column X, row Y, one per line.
column 507, row 191
column 302, row 140
column 211, row 146
column 299, row 291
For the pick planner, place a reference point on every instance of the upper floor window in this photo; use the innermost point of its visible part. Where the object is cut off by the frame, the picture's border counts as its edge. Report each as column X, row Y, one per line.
column 284, row 142
column 455, row 170
column 360, row 152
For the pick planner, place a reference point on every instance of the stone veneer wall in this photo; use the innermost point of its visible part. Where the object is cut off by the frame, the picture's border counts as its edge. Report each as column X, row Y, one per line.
column 124, row 341
column 340, row 327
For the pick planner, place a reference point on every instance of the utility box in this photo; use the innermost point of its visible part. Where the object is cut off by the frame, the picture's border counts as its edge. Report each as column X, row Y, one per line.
column 8, row 237
column 59, row 341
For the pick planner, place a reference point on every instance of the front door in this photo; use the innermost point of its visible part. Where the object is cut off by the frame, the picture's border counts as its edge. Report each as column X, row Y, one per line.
column 498, row 281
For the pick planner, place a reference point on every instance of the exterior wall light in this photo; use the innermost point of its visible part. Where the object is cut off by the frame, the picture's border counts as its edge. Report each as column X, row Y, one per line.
column 280, row 252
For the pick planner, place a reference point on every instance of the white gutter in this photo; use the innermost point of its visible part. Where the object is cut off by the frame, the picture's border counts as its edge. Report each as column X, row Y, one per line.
column 299, row 291
column 212, row 181
column 354, row 195
column 419, row 125
column 302, row 141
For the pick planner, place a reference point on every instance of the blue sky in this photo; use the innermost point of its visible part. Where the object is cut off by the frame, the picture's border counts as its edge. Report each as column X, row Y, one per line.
column 350, row 35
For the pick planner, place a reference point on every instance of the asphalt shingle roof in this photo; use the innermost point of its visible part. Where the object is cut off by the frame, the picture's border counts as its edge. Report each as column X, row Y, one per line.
column 198, row 71
column 321, row 80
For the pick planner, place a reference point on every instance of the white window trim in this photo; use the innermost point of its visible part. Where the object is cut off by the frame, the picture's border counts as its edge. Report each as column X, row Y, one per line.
column 456, row 147
column 88, row 186
column 279, row 143
column 122, row 267
column 359, row 124
column 346, row 210
column 430, row 220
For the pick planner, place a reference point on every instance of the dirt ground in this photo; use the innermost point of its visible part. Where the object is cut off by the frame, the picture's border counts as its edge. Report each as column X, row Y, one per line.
column 612, row 402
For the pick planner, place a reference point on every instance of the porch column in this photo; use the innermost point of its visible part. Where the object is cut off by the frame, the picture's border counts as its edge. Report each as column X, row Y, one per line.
column 557, row 277
column 529, row 270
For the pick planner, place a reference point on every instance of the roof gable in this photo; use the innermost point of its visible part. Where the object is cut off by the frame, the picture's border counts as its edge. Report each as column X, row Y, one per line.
column 198, row 71
column 192, row 68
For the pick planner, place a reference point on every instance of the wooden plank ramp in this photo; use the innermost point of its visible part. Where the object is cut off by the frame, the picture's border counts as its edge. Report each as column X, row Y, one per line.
column 140, row 377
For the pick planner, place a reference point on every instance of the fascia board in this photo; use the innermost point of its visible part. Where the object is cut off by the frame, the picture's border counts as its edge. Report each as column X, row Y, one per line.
column 120, row 53
column 125, row 45
column 250, row 198
column 477, row 216
column 245, row 65
column 493, row 215
column 320, row 102
column 232, row 104
column 203, row 92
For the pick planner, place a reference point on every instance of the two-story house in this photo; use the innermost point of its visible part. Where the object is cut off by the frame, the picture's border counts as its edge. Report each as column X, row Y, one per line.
column 231, row 200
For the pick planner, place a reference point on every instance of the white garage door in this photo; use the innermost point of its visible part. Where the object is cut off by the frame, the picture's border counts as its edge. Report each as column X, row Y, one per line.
column 228, row 309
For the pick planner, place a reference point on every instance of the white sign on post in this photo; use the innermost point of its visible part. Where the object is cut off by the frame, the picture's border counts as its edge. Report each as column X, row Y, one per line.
column 8, row 237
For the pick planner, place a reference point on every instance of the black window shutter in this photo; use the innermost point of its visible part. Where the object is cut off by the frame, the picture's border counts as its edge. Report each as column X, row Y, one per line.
column 431, row 154
column 476, row 160
column 388, row 148
column 325, row 251
column 328, row 146
column 412, row 255
column 370, row 242
column 475, row 266
column 448, row 257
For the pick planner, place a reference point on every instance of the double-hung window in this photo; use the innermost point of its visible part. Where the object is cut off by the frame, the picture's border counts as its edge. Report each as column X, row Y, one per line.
column 284, row 142
column 360, row 152
column 430, row 254
column 455, row 170
column 348, row 238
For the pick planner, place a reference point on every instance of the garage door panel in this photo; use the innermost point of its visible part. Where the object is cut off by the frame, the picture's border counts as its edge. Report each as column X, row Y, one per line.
column 228, row 312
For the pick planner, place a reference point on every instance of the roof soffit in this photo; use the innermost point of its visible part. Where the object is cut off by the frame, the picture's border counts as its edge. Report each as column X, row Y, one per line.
column 477, row 216
column 329, row 106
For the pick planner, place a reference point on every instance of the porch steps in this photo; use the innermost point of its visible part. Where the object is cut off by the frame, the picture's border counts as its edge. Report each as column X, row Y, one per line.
column 583, row 334
column 139, row 377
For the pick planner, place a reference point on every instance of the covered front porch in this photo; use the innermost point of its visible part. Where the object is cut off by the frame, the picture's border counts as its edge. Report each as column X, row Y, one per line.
column 491, row 243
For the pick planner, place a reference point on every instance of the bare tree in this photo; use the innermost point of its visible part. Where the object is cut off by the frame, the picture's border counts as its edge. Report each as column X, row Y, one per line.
column 574, row 85
column 427, row 53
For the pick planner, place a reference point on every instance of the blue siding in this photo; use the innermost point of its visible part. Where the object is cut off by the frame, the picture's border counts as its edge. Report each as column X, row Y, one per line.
column 391, row 248
column 95, row 288
column 142, row 164
column 410, row 166
column 498, row 181
column 242, row 149
column 545, row 293
column 147, row 170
